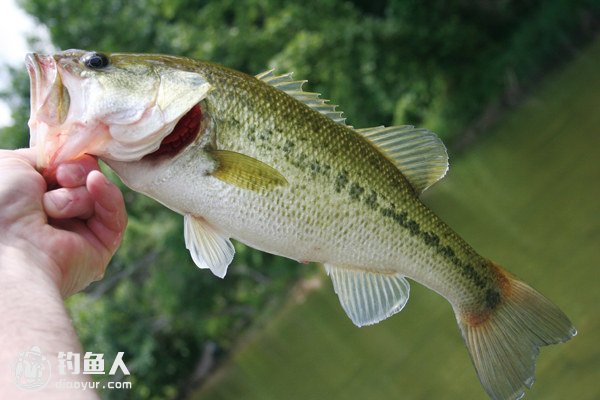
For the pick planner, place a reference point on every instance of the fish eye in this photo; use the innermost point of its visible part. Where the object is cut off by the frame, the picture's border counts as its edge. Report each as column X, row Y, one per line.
column 95, row 60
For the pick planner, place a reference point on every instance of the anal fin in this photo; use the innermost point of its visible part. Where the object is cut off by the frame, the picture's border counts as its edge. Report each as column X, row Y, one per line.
column 208, row 248
column 368, row 297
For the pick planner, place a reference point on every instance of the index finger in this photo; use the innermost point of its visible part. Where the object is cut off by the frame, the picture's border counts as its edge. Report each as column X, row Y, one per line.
column 74, row 173
column 110, row 218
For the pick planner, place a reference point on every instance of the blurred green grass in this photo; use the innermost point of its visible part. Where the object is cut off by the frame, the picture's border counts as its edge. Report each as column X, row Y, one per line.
column 527, row 196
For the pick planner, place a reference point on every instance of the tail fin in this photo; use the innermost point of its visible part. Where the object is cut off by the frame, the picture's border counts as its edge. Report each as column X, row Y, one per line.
column 504, row 344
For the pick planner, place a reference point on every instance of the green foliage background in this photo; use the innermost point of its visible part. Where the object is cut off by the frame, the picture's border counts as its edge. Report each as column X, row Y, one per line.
column 441, row 64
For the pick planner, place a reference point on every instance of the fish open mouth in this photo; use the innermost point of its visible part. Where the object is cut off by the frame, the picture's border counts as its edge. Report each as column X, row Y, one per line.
column 50, row 103
column 50, row 99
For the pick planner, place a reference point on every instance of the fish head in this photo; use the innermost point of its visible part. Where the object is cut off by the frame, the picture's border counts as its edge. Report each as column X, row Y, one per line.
column 115, row 106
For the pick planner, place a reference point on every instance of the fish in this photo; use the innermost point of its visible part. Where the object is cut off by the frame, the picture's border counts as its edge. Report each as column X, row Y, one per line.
column 262, row 161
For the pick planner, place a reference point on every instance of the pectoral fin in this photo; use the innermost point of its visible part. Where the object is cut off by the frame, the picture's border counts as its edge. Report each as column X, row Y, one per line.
column 245, row 172
column 208, row 248
column 368, row 297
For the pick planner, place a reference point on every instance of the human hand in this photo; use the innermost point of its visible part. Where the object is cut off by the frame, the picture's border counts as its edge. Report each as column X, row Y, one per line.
column 69, row 233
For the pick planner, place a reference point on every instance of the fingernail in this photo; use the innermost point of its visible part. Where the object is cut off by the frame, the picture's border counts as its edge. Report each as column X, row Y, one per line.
column 60, row 202
column 79, row 173
column 73, row 172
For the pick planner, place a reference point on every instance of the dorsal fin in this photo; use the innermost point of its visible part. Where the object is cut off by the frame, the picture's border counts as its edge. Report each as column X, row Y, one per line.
column 418, row 153
column 294, row 88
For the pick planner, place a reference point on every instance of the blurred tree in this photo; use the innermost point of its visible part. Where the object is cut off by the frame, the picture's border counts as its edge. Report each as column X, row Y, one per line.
column 17, row 97
column 435, row 63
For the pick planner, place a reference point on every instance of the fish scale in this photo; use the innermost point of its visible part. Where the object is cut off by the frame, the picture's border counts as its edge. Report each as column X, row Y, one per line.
column 260, row 160
column 290, row 148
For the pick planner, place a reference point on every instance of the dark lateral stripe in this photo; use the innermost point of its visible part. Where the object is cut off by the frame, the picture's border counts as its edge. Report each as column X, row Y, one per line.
column 356, row 192
column 432, row 240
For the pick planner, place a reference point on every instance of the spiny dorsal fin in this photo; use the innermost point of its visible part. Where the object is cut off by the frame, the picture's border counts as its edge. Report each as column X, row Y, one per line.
column 294, row 88
column 418, row 153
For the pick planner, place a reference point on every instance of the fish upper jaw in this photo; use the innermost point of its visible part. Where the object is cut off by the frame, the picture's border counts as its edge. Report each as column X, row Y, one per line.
column 45, row 85
column 49, row 100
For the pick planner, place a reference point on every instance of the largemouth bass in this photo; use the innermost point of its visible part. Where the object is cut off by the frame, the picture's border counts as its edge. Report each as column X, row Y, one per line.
column 257, row 159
